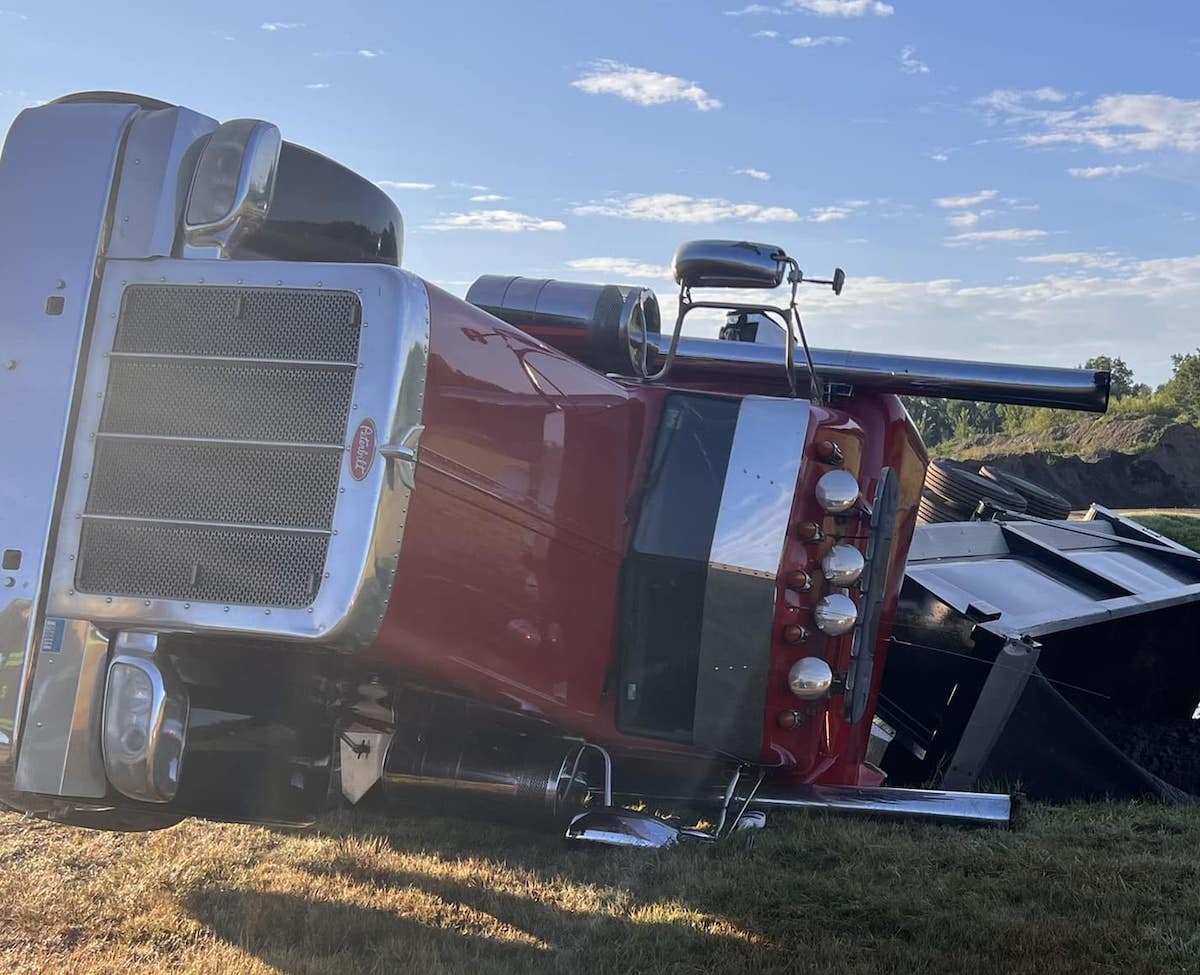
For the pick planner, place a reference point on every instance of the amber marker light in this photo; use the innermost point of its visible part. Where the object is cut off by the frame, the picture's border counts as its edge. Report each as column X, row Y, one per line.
column 828, row 452
column 799, row 580
column 794, row 633
column 809, row 531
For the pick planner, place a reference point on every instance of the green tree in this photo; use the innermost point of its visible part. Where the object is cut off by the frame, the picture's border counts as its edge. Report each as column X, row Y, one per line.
column 1182, row 390
column 1122, row 375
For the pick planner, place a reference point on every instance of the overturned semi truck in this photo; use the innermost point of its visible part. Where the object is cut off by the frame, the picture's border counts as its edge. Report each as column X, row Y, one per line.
column 286, row 527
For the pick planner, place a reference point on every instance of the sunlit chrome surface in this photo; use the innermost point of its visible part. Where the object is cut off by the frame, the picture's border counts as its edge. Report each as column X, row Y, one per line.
column 728, row 264
column 962, row 807
column 55, row 180
column 369, row 518
column 842, row 565
column 837, row 491
column 156, row 169
column 698, row 359
column 810, row 678
column 612, row 826
column 152, row 772
column 760, row 483
column 835, row 614
column 213, row 221
column 65, row 700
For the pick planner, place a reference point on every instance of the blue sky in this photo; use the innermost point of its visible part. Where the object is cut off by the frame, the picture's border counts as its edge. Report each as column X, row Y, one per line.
column 1013, row 181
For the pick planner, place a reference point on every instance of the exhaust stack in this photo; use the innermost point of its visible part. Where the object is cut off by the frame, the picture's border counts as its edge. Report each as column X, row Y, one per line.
column 586, row 321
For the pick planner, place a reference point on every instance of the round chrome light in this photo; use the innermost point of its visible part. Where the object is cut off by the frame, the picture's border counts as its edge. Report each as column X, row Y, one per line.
column 837, row 491
column 810, row 678
column 842, row 565
column 835, row 614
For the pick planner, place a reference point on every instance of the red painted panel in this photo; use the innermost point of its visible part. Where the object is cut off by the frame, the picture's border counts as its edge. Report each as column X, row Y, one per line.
column 507, row 584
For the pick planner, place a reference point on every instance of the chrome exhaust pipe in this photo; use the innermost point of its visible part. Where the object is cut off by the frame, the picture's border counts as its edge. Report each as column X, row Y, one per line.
column 702, row 360
column 602, row 326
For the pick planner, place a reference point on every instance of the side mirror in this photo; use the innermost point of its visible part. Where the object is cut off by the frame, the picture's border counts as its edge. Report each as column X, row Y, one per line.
column 839, row 279
column 729, row 264
column 233, row 184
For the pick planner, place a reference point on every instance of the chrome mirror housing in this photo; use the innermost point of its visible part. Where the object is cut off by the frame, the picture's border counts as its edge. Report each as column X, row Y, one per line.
column 233, row 183
column 729, row 264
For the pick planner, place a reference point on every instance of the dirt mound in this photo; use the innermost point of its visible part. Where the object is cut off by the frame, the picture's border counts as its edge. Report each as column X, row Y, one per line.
column 1146, row 462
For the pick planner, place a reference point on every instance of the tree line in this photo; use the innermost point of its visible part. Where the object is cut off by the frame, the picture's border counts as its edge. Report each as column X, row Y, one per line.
column 939, row 420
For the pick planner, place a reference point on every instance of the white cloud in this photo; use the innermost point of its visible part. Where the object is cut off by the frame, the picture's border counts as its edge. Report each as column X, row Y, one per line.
column 1060, row 319
column 368, row 53
column 642, row 86
column 15, row 14
column 678, row 208
column 621, row 266
column 981, row 236
column 962, row 202
column 1096, row 172
column 966, row 218
column 318, row 85
column 759, row 174
column 488, row 198
column 825, row 40
column 1122, row 122
column 843, row 8
column 754, row 8
column 502, row 221
column 275, row 25
column 769, row 34
column 1090, row 260
column 830, row 213
column 395, row 184
column 910, row 64
column 822, row 8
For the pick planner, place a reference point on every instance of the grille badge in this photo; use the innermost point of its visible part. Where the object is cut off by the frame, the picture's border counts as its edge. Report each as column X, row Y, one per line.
column 362, row 449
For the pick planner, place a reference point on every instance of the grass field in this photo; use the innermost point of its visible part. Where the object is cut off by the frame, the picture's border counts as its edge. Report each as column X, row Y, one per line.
column 1077, row 889
column 1182, row 527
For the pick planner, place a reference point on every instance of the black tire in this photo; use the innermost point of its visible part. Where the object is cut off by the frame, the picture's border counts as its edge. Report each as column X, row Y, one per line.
column 933, row 510
column 965, row 489
column 1040, row 501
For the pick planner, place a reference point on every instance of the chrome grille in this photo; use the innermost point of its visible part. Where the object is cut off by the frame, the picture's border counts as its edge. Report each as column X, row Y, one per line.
column 220, row 447
column 228, row 400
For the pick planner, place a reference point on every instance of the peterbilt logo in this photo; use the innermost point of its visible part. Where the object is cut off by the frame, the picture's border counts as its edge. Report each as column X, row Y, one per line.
column 362, row 450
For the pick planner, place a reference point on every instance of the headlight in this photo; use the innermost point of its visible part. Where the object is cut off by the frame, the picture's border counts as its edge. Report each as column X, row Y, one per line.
column 842, row 565
column 810, row 678
column 837, row 491
column 233, row 183
column 145, row 721
column 835, row 614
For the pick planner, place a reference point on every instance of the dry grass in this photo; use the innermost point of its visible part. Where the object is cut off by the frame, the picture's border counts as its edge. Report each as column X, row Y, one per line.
column 1079, row 889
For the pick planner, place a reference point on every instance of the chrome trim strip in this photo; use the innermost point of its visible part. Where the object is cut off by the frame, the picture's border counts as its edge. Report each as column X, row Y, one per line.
column 962, row 807
column 248, row 360
column 760, row 486
column 56, row 178
column 368, row 523
column 102, row 435
column 744, row 563
column 290, row 529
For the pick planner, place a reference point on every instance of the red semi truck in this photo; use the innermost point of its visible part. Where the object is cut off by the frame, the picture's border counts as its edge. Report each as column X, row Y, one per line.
column 286, row 526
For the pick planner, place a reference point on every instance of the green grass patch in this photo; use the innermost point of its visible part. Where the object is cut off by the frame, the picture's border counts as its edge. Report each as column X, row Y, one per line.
column 1076, row 889
column 1181, row 528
